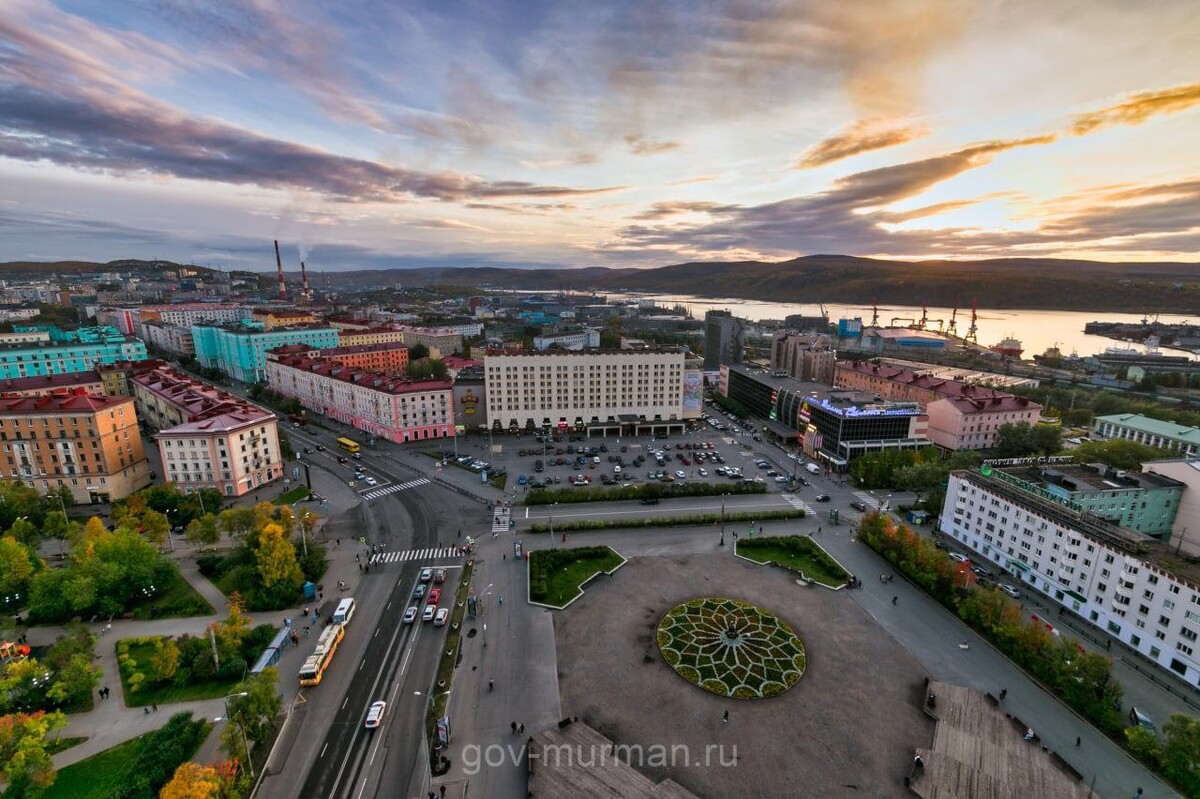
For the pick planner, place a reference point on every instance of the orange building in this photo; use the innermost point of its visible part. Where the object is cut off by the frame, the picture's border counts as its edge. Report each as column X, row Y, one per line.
column 88, row 443
column 390, row 359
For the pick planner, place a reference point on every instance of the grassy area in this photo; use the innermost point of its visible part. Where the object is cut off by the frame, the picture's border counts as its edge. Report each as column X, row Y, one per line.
column 175, row 599
column 96, row 777
column 294, row 495
column 449, row 658
column 168, row 693
column 62, row 744
column 796, row 552
column 667, row 521
column 556, row 574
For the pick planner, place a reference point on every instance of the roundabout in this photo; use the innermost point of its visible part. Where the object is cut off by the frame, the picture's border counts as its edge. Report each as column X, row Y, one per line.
column 731, row 648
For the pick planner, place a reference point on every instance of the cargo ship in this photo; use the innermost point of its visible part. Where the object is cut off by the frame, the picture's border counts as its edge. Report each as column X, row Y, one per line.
column 1009, row 347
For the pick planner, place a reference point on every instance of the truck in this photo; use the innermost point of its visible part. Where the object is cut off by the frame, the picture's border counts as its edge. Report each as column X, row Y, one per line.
column 812, row 468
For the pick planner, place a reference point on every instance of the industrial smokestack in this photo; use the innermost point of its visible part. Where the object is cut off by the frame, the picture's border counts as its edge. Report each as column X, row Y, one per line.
column 279, row 263
column 304, row 281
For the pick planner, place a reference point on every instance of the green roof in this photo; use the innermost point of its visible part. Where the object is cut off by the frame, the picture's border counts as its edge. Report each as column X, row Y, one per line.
column 1155, row 427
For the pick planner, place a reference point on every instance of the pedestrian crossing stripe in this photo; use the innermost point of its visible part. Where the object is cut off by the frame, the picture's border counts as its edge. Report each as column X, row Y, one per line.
column 799, row 504
column 376, row 493
column 429, row 553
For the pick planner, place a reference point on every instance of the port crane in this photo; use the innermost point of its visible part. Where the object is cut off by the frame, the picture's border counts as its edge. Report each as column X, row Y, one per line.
column 973, row 331
column 952, row 327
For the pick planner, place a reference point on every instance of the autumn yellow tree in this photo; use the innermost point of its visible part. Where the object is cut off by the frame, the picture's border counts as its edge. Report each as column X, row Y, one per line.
column 24, row 762
column 193, row 781
column 231, row 632
column 276, row 561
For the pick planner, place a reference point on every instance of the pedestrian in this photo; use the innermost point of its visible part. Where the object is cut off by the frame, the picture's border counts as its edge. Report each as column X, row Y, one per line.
column 155, row 708
column 304, row 612
column 356, row 560
column 725, row 718
column 500, row 597
column 145, row 711
column 360, row 567
column 521, row 730
column 459, row 535
column 514, row 728
column 101, row 693
column 442, row 791
column 895, row 599
column 491, row 683
column 1078, row 741
column 818, row 530
column 339, row 542
column 505, row 556
column 306, row 631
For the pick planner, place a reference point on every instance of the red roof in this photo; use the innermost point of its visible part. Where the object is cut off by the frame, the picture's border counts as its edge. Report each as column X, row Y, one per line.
column 375, row 380
column 61, row 403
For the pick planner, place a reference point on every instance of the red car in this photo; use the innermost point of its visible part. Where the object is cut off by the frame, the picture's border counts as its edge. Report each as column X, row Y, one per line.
column 434, row 595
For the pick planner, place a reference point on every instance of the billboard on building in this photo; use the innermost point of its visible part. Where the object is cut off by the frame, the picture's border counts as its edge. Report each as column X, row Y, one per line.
column 693, row 391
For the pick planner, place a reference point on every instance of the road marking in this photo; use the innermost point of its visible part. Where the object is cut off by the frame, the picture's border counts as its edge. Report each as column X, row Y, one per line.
column 732, row 509
column 323, row 748
column 428, row 553
column 345, row 702
column 376, row 493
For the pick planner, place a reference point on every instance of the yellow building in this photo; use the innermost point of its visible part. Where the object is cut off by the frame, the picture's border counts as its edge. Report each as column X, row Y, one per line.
column 272, row 318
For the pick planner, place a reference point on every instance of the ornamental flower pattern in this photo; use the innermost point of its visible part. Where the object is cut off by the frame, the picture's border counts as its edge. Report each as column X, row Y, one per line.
column 731, row 648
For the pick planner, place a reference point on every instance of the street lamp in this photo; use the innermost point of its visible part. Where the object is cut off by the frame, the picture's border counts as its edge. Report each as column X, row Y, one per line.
column 552, row 507
column 242, row 728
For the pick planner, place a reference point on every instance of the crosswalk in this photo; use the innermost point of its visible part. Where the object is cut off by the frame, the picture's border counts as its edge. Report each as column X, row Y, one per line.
column 402, row 556
column 376, row 493
column 799, row 504
column 872, row 502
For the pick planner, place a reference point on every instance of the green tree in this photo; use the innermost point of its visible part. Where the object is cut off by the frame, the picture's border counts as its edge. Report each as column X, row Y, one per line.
column 1046, row 438
column 1144, row 745
column 1181, row 752
column 275, row 558
column 164, row 662
column 1014, row 440
column 57, row 527
column 24, row 762
column 17, row 566
column 920, row 477
column 417, row 351
column 257, row 710
column 238, row 523
column 1119, row 453
column 25, row 531
column 203, row 530
column 155, row 526
column 73, row 683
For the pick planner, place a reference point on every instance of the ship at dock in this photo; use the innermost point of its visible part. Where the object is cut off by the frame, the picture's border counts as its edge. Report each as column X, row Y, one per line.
column 1009, row 347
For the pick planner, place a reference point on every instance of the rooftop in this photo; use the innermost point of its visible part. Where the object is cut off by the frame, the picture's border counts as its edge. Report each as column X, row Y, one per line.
column 75, row 402
column 121, row 366
column 943, row 387
column 373, row 380
column 357, row 349
column 1089, row 478
column 1155, row 427
column 49, row 381
column 198, row 400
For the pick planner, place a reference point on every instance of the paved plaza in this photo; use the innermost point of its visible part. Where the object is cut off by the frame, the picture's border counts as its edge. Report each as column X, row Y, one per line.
column 848, row 728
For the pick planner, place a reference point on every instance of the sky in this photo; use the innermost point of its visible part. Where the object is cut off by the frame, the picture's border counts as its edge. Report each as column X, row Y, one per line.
column 370, row 134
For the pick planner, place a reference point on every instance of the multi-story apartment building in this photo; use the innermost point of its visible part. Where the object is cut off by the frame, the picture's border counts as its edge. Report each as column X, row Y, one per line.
column 1151, row 432
column 25, row 337
column 389, row 359
column 440, row 341
column 71, row 382
column 588, row 339
column 1122, row 581
column 89, row 444
column 29, row 360
column 724, row 340
column 115, row 376
column 364, row 337
column 241, row 351
column 208, row 438
column 273, row 318
column 175, row 339
column 386, row 407
column 130, row 320
column 961, row 415
column 608, row 391
column 804, row 357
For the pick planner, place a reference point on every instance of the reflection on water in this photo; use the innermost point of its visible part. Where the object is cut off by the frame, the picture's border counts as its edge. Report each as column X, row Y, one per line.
column 1037, row 330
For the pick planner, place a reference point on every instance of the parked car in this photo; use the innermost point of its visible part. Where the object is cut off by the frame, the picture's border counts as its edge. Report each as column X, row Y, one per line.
column 375, row 714
column 1008, row 589
column 439, row 576
column 959, row 557
column 410, row 615
column 650, row 501
column 680, row 473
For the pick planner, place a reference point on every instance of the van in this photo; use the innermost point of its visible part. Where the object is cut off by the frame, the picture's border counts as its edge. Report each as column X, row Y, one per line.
column 344, row 612
column 812, row 468
column 1139, row 719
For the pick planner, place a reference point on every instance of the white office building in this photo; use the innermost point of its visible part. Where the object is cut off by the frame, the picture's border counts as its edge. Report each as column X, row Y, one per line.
column 607, row 392
column 1123, row 582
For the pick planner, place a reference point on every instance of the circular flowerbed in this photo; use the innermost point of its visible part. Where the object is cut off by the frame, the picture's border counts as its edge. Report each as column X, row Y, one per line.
column 731, row 648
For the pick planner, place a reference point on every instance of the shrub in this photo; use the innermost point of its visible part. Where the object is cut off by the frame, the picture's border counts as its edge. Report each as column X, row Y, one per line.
column 544, row 496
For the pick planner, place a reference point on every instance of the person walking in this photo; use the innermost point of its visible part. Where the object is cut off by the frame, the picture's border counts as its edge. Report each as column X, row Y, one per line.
column 491, row 683
column 1078, row 741
column 514, row 728
column 521, row 729
column 895, row 599
column 725, row 718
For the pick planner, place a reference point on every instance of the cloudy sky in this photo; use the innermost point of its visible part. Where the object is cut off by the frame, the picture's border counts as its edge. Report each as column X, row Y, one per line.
column 376, row 133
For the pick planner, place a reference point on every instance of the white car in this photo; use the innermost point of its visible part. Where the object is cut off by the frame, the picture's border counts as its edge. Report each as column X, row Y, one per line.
column 1008, row 589
column 371, row 481
column 680, row 473
column 430, row 610
column 702, row 472
column 958, row 557
column 375, row 714
column 443, row 615
column 781, row 478
column 410, row 615
column 426, row 575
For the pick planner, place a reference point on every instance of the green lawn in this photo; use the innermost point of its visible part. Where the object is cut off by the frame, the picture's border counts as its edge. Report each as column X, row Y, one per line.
column 562, row 571
column 96, row 777
column 168, row 693
column 795, row 552
column 62, row 744
column 175, row 599
column 294, row 495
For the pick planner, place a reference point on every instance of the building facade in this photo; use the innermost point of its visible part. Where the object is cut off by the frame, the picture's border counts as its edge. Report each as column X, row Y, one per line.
column 388, row 358
column 130, row 320
column 71, row 382
column 804, row 357
column 175, row 339
column 35, row 360
column 1151, row 432
column 207, row 437
column 386, row 407
column 241, row 351
column 579, row 340
column 274, row 318
column 606, row 391
column 88, row 444
column 116, row 375
column 440, row 341
column 724, row 340
column 370, row 336
column 1117, row 579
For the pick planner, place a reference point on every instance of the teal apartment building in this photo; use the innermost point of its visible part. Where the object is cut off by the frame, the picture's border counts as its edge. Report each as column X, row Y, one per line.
column 62, row 357
column 1151, row 432
column 240, row 351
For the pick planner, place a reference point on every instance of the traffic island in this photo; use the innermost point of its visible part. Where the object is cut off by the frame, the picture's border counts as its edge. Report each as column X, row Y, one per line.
column 731, row 648
column 557, row 577
column 798, row 554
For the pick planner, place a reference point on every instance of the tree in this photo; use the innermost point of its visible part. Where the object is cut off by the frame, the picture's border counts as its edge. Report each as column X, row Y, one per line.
column 74, row 682
column 257, row 710
column 231, row 632
column 193, row 781
column 93, row 530
column 57, row 527
column 1181, row 753
column 164, row 662
column 1014, row 440
column 17, row 566
column 155, row 526
column 237, row 523
column 203, row 530
column 276, row 560
column 1119, row 453
column 1046, row 438
column 25, row 531
column 24, row 762
column 417, row 351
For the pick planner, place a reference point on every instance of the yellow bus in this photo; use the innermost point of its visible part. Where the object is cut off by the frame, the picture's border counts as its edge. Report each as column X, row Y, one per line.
column 314, row 668
column 348, row 445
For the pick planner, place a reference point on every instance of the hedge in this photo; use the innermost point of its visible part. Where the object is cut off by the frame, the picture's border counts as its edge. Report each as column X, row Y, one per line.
column 666, row 521
column 543, row 496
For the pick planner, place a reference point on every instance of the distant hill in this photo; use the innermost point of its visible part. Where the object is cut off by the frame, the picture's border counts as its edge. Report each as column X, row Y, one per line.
column 45, row 268
column 1035, row 283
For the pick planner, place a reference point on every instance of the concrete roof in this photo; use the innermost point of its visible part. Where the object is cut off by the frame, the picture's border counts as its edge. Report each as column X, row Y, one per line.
column 1155, row 427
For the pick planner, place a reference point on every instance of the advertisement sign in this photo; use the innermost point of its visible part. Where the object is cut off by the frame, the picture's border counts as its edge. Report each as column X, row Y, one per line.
column 693, row 391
